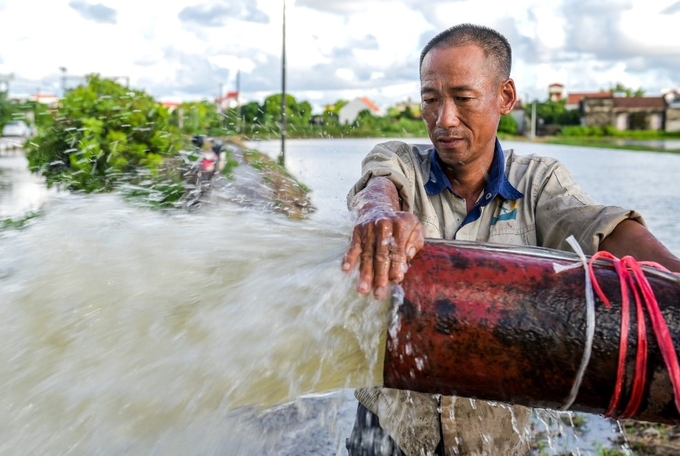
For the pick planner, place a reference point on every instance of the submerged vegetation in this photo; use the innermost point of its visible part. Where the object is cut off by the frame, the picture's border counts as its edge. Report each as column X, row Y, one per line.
column 21, row 222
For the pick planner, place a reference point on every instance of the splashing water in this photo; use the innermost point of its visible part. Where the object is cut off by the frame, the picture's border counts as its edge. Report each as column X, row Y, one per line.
column 141, row 332
column 134, row 332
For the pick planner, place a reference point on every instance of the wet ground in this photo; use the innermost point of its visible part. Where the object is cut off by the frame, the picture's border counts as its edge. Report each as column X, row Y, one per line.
column 309, row 427
column 651, row 439
column 319, row 426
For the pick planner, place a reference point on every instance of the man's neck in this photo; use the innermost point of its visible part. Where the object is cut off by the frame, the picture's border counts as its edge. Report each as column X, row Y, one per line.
column 468, row 179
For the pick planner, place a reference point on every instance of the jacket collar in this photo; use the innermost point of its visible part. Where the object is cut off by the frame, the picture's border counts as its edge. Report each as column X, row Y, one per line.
column 496, row 184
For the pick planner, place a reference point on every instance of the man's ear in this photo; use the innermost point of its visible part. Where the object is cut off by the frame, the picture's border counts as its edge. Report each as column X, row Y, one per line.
column 508, row 95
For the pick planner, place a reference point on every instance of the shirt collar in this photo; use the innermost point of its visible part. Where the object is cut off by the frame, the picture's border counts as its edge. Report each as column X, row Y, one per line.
column 496, row 184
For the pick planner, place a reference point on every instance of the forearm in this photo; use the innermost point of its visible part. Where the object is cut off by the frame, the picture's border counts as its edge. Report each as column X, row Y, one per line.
column 632, row 238
column 380, row 194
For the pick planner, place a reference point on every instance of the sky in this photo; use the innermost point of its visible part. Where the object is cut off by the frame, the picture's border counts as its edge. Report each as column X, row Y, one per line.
column 185, row 50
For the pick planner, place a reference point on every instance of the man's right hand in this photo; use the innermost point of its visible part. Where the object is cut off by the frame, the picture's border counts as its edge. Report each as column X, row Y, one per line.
column 384, row 239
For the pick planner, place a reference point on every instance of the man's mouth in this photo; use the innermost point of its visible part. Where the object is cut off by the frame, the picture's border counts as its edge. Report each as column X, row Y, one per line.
column 449, row 140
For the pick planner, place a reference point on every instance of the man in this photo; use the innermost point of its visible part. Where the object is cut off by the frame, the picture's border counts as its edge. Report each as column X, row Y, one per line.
column 466, row 187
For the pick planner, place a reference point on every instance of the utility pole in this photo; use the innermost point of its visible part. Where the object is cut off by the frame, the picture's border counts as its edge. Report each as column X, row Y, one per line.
column 65, row 77
column 533, row 120
column 219, row 103
column 282, row 156
column 63, row 81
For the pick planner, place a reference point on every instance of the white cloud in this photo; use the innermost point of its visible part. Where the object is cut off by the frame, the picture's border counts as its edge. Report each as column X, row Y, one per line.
column 345, row 73
column 654, row 33
column 335, row 48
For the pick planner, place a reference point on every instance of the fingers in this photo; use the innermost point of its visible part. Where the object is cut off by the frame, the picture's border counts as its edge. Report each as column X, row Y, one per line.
column 383, row 247
column 398, row 256
column 353, row 252
column 416, row 241
column 407, row 243
column 366, row 264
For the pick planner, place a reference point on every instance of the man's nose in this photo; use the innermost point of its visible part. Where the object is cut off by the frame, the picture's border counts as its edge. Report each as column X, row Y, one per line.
column 448, row 114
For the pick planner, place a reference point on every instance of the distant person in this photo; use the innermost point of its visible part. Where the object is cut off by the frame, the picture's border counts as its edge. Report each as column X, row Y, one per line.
column 217, row 148
column 466, row 186
column 212, row 158
column 198, row 141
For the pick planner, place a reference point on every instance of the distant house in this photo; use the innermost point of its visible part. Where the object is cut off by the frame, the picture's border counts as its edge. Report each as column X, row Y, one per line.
column 625, row 113
column 170, row 105
column 349, row 113
column 555, row 91
column 672, row 97
column 574, row 99
column 228, row 101
column 45, row 98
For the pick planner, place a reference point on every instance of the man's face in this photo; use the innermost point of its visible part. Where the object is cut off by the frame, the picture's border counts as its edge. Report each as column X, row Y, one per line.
column 461, row 101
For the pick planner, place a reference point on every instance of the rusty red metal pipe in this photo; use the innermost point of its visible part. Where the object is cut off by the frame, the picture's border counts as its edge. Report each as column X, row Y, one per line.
column 500, row 324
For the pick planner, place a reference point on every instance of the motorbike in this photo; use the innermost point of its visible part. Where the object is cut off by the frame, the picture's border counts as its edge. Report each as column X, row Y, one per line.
column 202, row 171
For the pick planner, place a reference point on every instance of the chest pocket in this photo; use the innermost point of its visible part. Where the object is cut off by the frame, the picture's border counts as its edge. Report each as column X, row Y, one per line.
column 510, row 224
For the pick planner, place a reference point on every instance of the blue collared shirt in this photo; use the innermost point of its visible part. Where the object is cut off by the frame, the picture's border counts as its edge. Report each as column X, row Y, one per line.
column 497, row 183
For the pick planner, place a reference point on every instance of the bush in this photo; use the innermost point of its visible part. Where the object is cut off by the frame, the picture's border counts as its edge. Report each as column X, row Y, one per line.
column 583, row 131
column 103, row 135
column 508, row 125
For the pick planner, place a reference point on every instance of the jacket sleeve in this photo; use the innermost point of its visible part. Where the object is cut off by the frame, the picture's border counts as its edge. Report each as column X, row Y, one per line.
column 393, row 160
column 564, row 209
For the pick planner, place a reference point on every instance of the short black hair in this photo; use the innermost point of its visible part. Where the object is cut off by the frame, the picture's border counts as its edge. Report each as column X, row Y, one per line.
column 495, row 45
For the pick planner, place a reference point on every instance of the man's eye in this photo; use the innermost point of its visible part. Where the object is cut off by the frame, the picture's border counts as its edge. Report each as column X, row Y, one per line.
column 463, row 99
column 429, row 100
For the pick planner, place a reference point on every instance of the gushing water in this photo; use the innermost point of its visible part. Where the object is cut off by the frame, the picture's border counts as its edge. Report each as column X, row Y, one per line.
column 133, row 331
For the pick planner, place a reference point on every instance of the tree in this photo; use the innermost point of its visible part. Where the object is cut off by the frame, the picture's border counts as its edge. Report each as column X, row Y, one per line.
column 101, row 134
column 252, row 113
column 6, row 109
column 365, row 118
column 556, row 113
column 38, row 112
column 335, row 107
column 627, row 91
column 303, row 113
column 198, row 117
column 272, row 109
